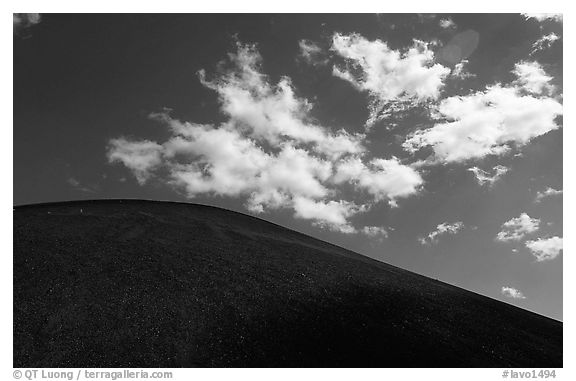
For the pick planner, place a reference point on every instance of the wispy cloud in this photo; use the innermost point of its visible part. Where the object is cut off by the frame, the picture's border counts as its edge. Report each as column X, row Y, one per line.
column 544, row 16
column 392, row 78
column 312, row 53
column 375, row 231
column 441, row 229
column 549, row 192
column 544, row 42
column 545, row 249
column 484, row 178
column 517, row 228
column 513, row 293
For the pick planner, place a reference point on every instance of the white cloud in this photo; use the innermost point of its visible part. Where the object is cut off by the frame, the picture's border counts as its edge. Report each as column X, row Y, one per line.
column 331, row 214
column 459, row 71
column 517, row 228
column 549, row 192
column 533, row 78
column 273, row 113
column 383, row 179
column 442, row 229
column 141, row 157
column 374, row 231
column 390, row 77
column 513, row 293
column 312, row 53
column 25, row 20
column 79, row 186
column 543, row 16
column 447, row 23
column 268, row 152
column 545, row 249
column 544, row 42
column 483, row 177
column 488, row 122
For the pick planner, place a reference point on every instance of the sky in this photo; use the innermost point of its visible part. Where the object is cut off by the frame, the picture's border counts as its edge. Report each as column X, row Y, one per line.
column 432, row 142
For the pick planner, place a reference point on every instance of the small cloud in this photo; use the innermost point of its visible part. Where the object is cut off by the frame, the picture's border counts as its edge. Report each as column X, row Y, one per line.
column 513, row 293
column 544, row 42
column 78, row 186
column 374, row 231
column 447, row 23
column 549, row 192
column 544, row 16
column 483, row 177
column 545, row 249
column 459, row 71
column 23, row 21
column 517, row 228
column 442, row 229
column 312, row 53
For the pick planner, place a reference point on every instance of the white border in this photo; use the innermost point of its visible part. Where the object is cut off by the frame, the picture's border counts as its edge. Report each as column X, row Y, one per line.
column 307, row 6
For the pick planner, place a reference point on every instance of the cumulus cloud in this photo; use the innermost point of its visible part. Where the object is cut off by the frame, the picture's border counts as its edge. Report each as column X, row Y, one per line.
column 484, row 178
column 545, row 249
column 549, row 192
column 544, row 42
column 74, row 183
column 383, row 179
column 268, row 151
column 488, row 122
column 312, row 53
column 532, row 78
column 517, row 228
column 441, row 229
column 392, row 78
column 543, row 16
column 25, row 20
column 513, row 293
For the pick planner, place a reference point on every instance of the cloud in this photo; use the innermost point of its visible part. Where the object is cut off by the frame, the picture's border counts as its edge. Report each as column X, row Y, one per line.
column 79, row 186
column 545, row 249
column 141, row 157
column 543, row 16
column 532, row 78
column 442, row 229
column 544, row 42
column 312, row 53
column 459, row 71
column 512, row 293
column 549, row 192
column 483, row 177
column 23, row 21
column 517, row 228
column 392, row 78
column 447, row 23
column 374, row 231
column 268, row 151
column 273, row 113
column 383, row 179
column 488, row 122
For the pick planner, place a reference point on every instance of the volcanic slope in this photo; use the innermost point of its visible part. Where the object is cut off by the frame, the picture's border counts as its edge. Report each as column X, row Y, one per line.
column 127, row 283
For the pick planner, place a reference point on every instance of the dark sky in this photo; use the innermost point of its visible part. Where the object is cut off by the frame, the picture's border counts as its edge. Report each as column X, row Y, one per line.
column 83, row 82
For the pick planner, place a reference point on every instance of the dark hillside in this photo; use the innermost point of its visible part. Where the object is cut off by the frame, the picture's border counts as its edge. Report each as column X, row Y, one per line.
column 126, row 283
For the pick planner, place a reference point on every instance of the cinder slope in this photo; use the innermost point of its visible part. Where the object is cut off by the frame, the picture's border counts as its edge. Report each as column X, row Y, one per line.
column 158, row 284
